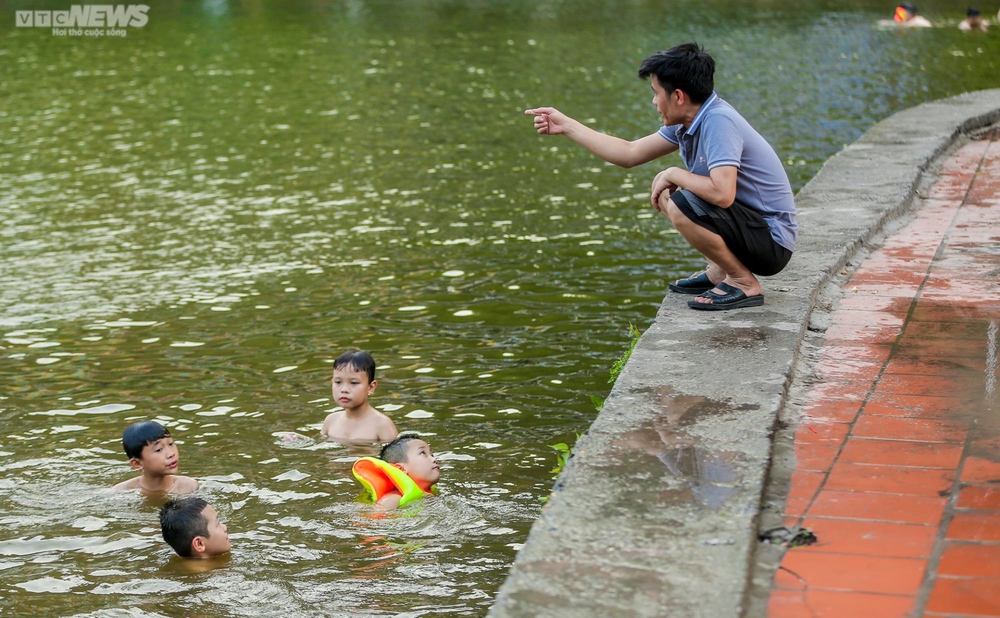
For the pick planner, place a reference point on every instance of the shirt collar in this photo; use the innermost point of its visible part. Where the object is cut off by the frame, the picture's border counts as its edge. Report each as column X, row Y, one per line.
column 701, row 112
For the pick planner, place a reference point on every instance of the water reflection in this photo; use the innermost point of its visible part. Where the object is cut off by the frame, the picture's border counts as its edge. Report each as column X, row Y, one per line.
column 710, row 474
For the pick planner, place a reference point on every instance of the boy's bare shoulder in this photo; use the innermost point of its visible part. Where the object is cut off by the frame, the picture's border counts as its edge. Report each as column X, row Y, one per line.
column 331, row 420
column 130, row 484
column 184, row 485
column 381, row 416
column 389, row 502
column 332, row 416
column 386, row 428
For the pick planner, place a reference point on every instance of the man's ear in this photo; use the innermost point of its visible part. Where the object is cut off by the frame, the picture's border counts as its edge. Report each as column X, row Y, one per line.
column 198, row 545
column 136, row 464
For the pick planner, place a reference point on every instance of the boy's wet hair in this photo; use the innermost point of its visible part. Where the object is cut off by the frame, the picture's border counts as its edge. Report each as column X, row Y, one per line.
column 909, row 7
column 358, row 360
column 395, row 451
column 972, row 12
column 180, row 521
column 137, row 435
column 687, row 67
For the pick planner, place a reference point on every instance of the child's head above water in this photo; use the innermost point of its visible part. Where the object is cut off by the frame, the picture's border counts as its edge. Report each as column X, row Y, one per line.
column 151, row 450
column 138, row 436
column 358, row 360
column 352, row 384
column 411, row 454
column 192, row 527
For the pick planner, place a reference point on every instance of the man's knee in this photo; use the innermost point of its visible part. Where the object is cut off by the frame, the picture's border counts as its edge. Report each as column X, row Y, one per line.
column 675, row 214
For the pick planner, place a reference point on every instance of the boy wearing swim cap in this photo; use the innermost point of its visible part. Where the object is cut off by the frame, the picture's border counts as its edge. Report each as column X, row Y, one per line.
column 405, row 470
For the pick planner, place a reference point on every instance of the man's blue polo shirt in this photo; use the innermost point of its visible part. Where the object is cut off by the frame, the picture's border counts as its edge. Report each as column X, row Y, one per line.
column 719, row 136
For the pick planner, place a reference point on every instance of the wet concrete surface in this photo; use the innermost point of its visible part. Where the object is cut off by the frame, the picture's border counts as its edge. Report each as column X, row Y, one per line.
column 657, row 512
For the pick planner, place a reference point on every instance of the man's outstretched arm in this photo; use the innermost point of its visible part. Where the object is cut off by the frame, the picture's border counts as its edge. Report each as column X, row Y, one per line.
column 623, row 153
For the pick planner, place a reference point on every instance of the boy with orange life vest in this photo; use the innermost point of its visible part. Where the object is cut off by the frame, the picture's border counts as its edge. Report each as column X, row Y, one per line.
column 406, row 470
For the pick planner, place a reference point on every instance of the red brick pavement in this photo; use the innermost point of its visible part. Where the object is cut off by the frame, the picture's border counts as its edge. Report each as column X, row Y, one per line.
column 898, row 454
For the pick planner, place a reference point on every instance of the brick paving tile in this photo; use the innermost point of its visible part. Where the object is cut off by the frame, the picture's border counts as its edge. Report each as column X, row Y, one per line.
column 941, row 348
column 823, row 433
column 805, row 484
column 828, row 571
column 979, row 498
column 917, row 406
column 964, row 597
column 873, row 302
column 869, row 538
column 955, row 368
column 889, row 479
column 980, row 470
column 814, row 457
column 850, row 389
column 928, row 385
column 902, row 453
column 849, row 369
column 868, row 318
column 925, row 312
column 796, row 508
column 906, row 428
column 895, row 508
column 834, row 604
column 968, row 560
column 964, row 332
column 975, row 526
column 888, row 272
column 832, row 410
column 843, row 333
column 897, row 453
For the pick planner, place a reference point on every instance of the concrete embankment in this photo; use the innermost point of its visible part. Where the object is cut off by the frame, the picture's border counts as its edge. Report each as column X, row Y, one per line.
column 657, row 512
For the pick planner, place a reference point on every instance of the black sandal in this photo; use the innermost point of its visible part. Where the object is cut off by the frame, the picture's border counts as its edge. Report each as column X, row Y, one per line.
column 695, row 284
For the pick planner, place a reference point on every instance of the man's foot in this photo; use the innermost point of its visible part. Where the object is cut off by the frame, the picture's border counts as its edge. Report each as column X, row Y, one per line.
column 695, row 284
column 729, row 298
column 699, row 282
column 730, row 294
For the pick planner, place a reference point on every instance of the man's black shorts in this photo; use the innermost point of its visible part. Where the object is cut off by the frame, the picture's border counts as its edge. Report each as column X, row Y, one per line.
column 743, row 229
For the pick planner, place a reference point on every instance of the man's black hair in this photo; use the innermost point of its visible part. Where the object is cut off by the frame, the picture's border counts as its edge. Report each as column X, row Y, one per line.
column 358, row 360
column 395, row 451
column 687, row 67
column 180, row 521
column 137, row 435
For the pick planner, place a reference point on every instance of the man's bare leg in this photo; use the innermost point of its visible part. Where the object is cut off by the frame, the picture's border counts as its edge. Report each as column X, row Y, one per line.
column 715, row 251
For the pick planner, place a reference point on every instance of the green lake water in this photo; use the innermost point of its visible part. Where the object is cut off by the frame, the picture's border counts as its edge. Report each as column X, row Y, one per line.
column 199, row 216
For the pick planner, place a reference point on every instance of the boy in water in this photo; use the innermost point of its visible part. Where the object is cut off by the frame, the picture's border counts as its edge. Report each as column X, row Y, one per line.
column 973, row 21
column 151, row 450
column 353, row 382
column 906, row 16
column 405, row 470
column 192, row 527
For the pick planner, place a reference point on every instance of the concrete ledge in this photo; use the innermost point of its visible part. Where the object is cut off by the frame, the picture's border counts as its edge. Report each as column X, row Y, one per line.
column 656, row 512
